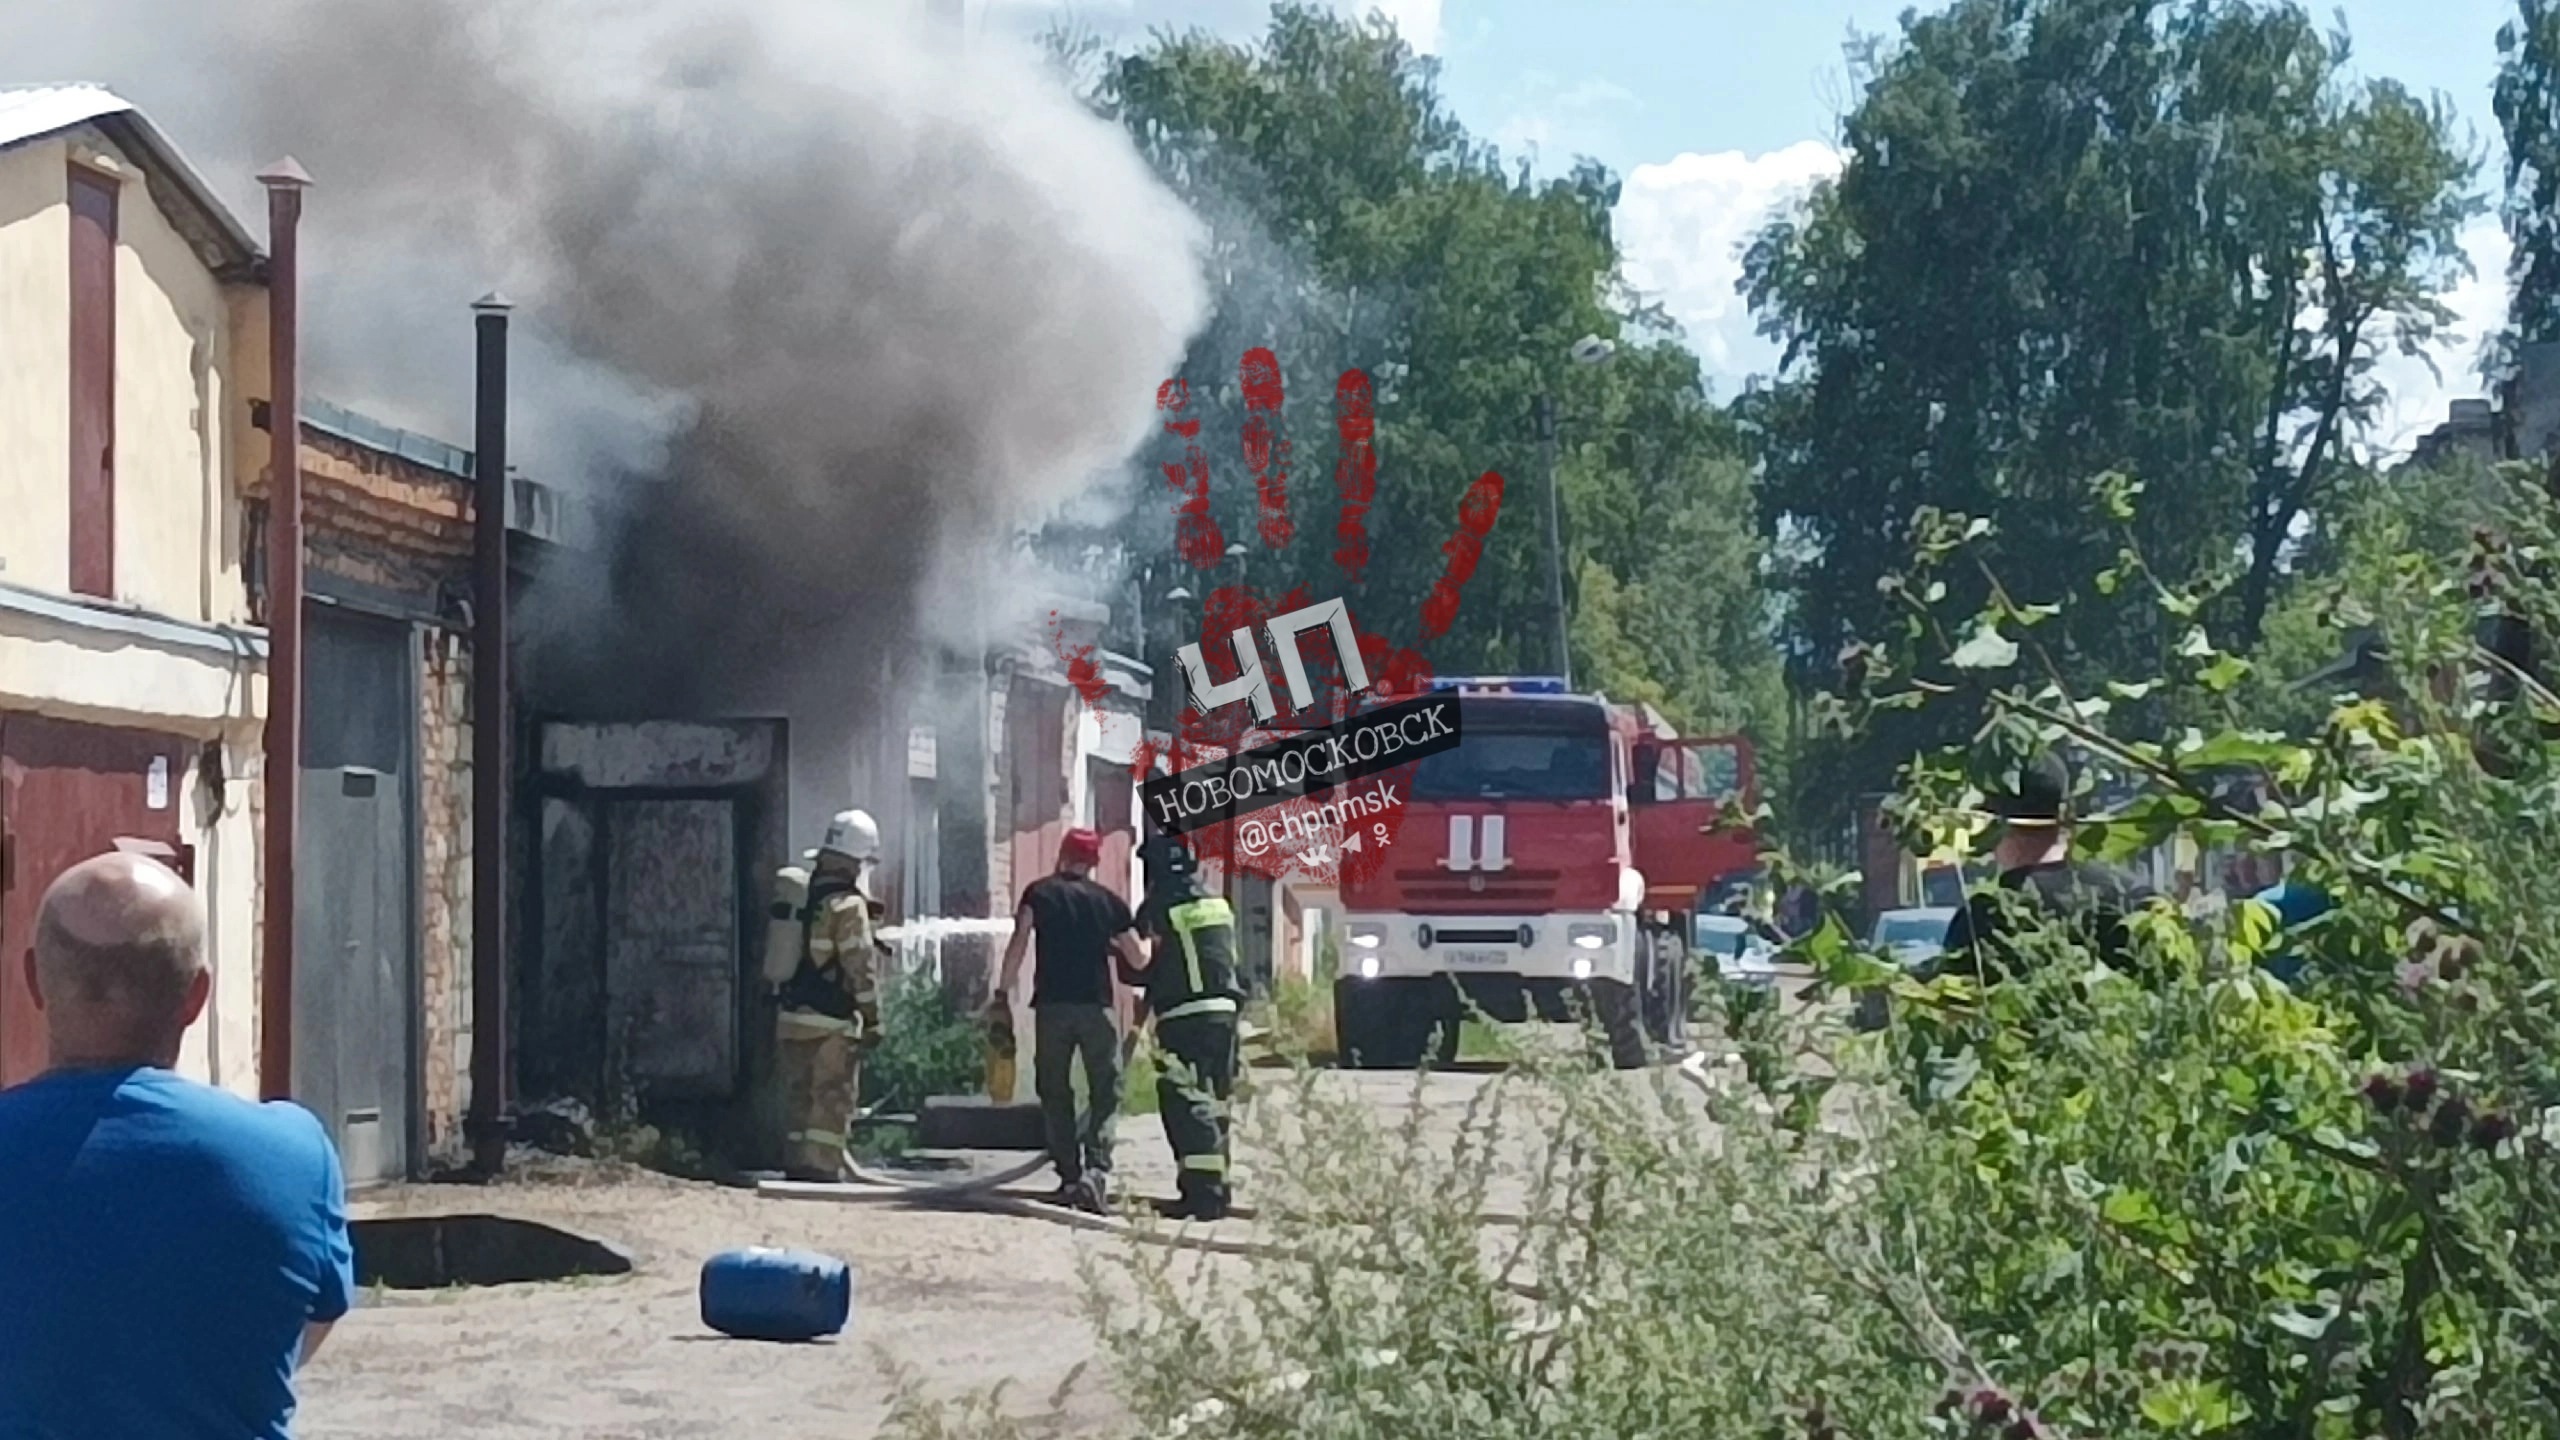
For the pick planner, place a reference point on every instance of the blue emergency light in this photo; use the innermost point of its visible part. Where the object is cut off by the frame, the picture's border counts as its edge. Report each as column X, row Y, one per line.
column 1501, row 684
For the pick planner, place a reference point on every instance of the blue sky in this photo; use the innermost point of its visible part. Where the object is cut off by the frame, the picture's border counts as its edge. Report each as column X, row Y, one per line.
column 1715, row 110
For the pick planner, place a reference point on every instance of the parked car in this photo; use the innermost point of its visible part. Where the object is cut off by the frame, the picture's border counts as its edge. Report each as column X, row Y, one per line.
column 1743, row 957
column 1915, row 939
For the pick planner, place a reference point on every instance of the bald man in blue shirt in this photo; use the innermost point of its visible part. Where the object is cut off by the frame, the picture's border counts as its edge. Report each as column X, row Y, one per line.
column 170, row 1253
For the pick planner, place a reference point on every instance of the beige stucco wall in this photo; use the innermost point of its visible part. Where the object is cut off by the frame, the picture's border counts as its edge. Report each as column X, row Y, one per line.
column 180, row 403
column 222, row 1047
column 177, row 506
column 35, row 386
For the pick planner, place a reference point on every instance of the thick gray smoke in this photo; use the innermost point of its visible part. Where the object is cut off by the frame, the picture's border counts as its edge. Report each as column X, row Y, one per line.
column 816, row 301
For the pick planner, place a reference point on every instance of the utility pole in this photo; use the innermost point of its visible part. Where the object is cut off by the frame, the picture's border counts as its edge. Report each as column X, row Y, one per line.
column 1555, row 539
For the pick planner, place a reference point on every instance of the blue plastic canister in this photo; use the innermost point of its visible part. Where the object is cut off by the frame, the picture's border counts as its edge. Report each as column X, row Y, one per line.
column 762, row 1294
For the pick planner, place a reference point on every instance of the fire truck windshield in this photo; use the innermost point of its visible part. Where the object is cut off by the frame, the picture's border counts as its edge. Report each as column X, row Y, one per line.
column 1522, row 750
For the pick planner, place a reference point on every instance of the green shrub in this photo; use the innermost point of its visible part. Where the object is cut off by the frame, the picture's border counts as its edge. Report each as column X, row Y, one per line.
column 928, row 1047
column 1298, row 1020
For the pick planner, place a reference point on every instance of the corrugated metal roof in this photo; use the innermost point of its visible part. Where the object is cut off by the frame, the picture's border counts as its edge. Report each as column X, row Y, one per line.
column 372, row 434
column 38, row 110
column 31, row 112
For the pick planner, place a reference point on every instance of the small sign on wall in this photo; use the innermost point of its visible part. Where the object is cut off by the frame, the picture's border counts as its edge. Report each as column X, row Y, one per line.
column 155, row 784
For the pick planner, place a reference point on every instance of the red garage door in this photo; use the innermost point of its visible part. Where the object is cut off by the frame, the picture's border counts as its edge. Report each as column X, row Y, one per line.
column 68, row 792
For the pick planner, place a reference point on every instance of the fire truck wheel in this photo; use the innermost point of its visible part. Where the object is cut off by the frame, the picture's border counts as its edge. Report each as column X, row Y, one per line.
column 1621, row 1013
column 1441, row 1020
column 1375, row 1024
column 1666, row 994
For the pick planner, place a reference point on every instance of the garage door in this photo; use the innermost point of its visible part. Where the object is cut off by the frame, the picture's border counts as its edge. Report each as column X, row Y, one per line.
column 68, row 792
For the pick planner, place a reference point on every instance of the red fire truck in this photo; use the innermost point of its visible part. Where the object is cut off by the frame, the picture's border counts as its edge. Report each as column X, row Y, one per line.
column 1558, row 852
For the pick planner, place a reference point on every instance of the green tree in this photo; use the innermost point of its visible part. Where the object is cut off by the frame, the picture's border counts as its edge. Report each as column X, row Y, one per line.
column 1352, row 221
column 2074, row 237
column 2528, row 108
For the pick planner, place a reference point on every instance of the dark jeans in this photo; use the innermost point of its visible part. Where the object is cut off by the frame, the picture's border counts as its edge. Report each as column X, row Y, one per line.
column 1061, row 1033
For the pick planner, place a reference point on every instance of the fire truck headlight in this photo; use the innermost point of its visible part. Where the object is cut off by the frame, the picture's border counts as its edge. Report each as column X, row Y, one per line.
column 1581, row 968
column 1368, row 937
column 1368, row 967
column 1594, row 937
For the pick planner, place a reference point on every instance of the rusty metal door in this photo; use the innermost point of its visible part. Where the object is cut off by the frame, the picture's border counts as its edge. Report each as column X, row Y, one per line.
column 93, row 382
column 68, row 792
column 356, row 989
column 671, row 945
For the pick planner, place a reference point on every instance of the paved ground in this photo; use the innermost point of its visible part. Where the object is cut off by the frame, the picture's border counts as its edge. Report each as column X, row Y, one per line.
column 966, row 1300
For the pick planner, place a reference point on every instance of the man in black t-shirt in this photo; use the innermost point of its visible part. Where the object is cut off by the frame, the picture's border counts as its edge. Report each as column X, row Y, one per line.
column 1079, row 926
column 2038, row 876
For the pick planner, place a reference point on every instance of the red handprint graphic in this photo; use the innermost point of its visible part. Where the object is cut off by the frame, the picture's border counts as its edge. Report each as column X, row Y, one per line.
column 1336, row 831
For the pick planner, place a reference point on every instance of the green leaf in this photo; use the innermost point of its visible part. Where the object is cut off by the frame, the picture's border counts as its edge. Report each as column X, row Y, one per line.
column 1987, row 649
column 2131, row 1209
column 2233, row 749
column 2225, row 672
column 2192, row 1407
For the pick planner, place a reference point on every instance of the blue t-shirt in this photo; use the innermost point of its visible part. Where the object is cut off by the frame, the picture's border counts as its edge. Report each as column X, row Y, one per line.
column 162, row 1244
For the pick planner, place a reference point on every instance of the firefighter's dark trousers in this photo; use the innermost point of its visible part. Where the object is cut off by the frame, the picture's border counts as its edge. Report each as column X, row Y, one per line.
column 1195, row 1078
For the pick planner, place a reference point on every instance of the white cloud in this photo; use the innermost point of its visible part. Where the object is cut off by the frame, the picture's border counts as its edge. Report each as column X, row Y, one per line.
column 2416, row 397
column 1683, row 225
column 1418, row 21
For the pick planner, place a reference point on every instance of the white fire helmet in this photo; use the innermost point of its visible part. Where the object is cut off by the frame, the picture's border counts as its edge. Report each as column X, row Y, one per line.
column 854, row 835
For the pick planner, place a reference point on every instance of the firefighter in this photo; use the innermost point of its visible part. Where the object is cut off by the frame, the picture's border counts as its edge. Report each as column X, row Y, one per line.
column 830, row 1005
column 1188, row 978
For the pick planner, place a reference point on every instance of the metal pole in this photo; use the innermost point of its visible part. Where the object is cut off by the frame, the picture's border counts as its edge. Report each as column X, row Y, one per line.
column 1555, row 539
column 284, row 181
column 489, row 1122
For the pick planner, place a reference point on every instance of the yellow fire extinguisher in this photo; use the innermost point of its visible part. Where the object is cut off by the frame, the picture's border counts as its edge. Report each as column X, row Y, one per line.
column 1000, row 1051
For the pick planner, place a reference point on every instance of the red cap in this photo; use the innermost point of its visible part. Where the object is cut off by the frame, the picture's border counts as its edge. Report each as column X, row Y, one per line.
column 1080, row 847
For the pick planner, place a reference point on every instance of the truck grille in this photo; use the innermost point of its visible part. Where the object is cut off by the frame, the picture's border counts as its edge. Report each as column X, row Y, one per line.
column 1448, row 892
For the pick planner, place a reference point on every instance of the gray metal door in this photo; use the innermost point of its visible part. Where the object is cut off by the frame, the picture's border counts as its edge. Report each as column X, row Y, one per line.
column 355, row 980
column 671, row 945
column 351, row 976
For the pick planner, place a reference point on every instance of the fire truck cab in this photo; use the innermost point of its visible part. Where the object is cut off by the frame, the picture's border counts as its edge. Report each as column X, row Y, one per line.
column 1546, row 865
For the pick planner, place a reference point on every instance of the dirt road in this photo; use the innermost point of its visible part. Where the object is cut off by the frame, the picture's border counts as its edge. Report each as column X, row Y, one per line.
column 966, row 1300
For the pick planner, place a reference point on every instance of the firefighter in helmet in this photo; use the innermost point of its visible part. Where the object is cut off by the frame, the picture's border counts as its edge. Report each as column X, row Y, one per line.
column 830, row 1001
column 1188, row 978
